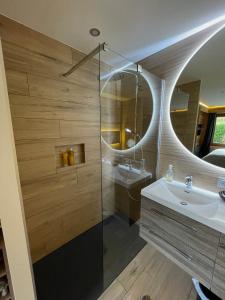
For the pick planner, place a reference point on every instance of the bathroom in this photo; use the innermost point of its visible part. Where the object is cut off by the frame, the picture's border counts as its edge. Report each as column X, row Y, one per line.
column 112, row 171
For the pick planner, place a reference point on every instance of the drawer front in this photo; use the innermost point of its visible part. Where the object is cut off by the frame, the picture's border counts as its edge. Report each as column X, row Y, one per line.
column 191, row 261
column 181, row 228
column 220, row 259
column 218, row 282
column 189, row 243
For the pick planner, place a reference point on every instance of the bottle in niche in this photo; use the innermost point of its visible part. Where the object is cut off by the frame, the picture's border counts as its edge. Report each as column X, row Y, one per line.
column 71, row 157
column 169, row 174
column 65, row 159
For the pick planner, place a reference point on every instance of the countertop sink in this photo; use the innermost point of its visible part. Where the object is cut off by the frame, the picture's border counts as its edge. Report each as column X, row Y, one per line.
column 199, row 204
column 125, row 176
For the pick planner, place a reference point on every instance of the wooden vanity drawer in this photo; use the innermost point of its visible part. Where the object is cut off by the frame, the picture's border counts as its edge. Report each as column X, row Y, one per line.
column 179, row 228
column 218, row 282
column 189, row 243
column 220, row 259
column 195, row 263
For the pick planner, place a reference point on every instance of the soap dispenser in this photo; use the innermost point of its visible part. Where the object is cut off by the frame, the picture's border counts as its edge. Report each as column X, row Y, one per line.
column 169, row 174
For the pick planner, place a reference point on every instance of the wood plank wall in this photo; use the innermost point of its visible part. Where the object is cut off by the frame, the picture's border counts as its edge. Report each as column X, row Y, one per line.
column 180, row 119
column 49, row 110
column 167, row 64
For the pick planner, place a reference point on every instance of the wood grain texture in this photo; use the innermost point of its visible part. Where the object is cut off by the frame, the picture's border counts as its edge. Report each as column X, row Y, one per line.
column 17, row 82
column 151, row 273
column 180, row 228
column 115, row 291
column 34, row 41
column 187, row 134
column 220, row 259
column 196, row 248
column 137, row 266
column 50, row 111
column 180, row 240
column 167, row 64
column 218, row 281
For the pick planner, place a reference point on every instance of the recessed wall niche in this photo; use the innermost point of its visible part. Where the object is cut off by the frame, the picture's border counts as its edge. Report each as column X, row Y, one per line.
column 78, row 152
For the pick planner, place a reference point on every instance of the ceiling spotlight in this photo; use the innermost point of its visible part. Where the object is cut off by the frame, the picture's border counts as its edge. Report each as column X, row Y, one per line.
column 94, row 32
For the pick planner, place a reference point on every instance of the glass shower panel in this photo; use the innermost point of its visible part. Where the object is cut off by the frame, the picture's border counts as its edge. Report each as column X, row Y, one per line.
column 126, row 110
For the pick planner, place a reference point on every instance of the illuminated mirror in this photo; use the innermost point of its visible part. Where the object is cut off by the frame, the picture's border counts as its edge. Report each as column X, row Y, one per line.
column 126, row 109
column 198, row 103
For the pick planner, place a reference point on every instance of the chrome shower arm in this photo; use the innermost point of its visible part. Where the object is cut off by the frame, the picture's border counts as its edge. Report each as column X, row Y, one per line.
column 85, row 59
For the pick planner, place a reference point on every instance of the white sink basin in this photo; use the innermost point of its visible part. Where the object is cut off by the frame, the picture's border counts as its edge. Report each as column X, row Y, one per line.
column 125, row 176
column 129, row 169
column 201, row 205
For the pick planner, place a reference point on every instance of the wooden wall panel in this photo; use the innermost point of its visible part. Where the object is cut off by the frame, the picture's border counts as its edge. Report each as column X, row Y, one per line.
column 39, row 108
column 17, row 82
column 34, row 41
column 168, row 64
column 48, row 111
column 179, row 120
column 26, row 128
column 24, row 60
column 60, row 90
column 79, row 128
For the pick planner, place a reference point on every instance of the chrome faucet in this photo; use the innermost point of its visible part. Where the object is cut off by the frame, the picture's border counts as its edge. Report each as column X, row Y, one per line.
column 188, row 184
column 142, row 164
column 128, row 163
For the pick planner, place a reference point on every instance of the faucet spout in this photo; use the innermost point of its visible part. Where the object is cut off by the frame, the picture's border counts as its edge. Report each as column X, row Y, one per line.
column 188, row 184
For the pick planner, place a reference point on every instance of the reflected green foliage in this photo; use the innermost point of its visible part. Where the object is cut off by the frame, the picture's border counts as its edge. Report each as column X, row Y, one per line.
column 219, row 134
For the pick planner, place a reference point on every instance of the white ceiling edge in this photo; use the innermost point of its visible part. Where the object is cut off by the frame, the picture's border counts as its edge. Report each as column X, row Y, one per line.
column 48, row 35
column 171, row 41
column 134, row 55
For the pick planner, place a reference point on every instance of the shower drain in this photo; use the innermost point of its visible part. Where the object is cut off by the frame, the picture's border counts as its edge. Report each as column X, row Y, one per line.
column 183, row 203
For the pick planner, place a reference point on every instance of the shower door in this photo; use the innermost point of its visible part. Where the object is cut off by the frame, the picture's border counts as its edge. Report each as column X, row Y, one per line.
column 126, row 110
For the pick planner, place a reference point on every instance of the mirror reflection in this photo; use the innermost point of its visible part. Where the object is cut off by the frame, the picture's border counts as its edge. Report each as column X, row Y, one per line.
column 198, row 103
column 126, row 109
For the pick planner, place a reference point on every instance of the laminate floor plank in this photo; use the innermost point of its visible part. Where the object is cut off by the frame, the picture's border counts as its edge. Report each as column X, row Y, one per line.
column 151, row 273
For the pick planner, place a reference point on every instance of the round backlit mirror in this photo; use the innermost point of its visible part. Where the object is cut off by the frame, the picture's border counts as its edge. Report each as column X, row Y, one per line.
column 197, row 107
column 126, row 109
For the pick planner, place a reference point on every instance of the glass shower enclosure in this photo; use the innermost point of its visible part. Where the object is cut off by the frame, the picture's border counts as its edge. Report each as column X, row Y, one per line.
column 126, row 112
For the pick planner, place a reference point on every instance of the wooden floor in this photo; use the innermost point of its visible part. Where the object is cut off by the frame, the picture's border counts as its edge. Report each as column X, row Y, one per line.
column 151, row 273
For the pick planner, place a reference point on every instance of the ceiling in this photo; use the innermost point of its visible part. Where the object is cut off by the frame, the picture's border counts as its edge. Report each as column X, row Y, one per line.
column 134, row 28
column 208, row 65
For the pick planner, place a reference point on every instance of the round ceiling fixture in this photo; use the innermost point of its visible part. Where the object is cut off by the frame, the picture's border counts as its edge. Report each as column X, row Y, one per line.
column 94, row 32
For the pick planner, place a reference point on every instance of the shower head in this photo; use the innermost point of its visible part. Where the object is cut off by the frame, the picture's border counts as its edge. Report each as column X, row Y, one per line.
column 131, row 131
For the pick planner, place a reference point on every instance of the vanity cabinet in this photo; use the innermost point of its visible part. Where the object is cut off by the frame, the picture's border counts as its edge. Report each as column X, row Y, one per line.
column 218, row 282
column 198, row 249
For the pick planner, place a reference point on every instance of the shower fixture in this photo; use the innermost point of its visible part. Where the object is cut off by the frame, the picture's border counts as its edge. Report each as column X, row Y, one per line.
column 86, row 58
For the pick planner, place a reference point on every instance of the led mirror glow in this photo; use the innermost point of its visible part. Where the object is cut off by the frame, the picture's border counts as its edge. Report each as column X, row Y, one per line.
column 126, row 109
column 197, row 107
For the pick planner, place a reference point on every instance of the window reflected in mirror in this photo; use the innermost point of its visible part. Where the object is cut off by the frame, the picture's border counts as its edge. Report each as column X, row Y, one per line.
column 126, row 110
column 198, row 103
